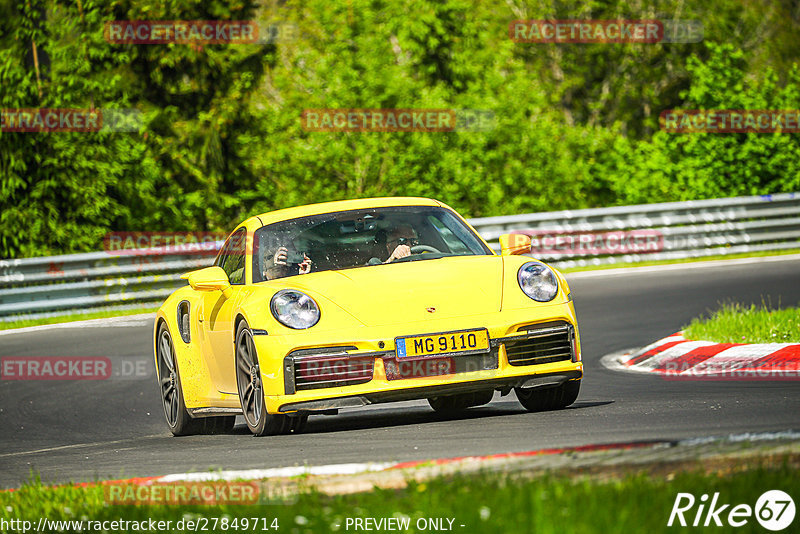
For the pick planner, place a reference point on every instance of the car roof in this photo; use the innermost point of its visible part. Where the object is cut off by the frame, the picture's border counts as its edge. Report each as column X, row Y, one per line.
column 338, row 205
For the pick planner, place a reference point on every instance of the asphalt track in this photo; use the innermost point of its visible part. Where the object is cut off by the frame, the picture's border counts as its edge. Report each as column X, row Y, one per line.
column 85, row 430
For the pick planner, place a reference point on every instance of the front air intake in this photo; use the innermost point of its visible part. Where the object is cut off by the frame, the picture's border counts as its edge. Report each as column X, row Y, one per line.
column 326, row 367
column 332, row 371
column 537, row 346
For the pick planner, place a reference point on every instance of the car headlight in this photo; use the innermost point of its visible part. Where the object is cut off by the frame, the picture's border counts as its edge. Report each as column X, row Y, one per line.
column 294, row 309
column 538, row 281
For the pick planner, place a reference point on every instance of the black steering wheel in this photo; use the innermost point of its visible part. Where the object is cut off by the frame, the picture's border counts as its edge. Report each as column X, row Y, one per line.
column 418, row 249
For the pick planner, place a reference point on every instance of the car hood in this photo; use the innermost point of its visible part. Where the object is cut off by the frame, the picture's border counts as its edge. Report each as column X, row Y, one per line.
column 413, row 291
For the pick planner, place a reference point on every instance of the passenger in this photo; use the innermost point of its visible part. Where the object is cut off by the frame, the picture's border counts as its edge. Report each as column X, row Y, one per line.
column 276, row 265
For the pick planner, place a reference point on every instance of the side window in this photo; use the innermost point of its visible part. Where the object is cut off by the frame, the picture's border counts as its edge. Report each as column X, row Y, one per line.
column 455, row 245
column 232, row 257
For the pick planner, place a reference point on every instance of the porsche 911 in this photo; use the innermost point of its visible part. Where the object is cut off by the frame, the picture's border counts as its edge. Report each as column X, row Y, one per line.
column 313, row 309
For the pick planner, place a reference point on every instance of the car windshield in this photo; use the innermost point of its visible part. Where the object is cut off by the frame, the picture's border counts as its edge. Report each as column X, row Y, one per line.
column 360, row 238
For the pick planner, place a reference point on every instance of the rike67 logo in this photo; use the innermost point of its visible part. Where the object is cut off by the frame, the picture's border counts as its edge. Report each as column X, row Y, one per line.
column 774, row 510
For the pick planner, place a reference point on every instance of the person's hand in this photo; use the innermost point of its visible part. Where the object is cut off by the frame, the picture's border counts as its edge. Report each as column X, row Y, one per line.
column 280, row 256
column 305, row 267
column 400, row 251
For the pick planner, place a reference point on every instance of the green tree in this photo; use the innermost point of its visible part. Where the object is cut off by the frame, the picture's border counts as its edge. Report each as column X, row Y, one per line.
column 686, row 166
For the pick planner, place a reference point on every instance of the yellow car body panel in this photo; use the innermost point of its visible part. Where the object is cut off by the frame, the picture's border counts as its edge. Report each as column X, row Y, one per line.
column 366, row 309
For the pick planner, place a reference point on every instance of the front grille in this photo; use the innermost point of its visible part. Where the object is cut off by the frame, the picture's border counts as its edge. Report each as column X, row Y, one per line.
column 544, row 345
column 332, row 371
column 326, row 367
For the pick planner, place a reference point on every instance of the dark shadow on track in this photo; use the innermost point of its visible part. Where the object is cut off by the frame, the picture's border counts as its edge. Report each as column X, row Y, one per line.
column 417, row 415
column 587, row 404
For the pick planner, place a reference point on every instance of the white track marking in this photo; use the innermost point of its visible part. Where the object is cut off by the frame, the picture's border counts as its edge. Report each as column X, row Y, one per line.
column 78, row 446
column 336, row 469
column 747, row 436
column 123, row 321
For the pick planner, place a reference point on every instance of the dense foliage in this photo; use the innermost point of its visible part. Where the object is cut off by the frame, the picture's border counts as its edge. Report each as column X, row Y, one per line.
column 576, row 124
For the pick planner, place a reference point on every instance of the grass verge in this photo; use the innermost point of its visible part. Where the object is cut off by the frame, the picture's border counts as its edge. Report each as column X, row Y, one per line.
column 736, row 323
column 72, row 317
column 629, row 502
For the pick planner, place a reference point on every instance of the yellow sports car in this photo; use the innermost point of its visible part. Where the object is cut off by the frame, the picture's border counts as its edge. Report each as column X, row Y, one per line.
column 310, row 309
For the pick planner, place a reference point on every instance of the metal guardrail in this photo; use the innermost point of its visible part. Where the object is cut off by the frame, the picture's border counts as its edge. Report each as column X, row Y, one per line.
column 32, row 288
column 82, row 283
column 689, row 229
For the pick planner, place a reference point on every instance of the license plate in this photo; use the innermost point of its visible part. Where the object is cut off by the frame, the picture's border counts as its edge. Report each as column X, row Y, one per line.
column 443, row 344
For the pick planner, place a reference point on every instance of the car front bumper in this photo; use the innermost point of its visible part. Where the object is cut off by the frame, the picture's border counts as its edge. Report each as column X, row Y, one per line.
column 381, row 376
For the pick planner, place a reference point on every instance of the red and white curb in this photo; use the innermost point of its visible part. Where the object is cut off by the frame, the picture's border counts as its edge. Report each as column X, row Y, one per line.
column 359, row 468
column 353, row 468
column 678, row 358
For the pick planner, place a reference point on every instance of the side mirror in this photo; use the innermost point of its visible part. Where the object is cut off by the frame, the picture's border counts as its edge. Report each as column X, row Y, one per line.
column 209, row 279
column 514, row 244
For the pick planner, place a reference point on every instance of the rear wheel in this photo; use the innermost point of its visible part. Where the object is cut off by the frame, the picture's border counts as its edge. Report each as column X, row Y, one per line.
column 251, row 390
column 178, row 419
column 460, row 402
column 543, row 399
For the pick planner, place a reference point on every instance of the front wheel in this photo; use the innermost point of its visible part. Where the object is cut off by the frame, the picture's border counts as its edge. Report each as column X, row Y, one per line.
column 251, row 390
column 554, row 398
column 178, row 419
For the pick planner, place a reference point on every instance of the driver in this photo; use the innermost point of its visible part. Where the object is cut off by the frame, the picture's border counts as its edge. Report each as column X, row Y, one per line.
column 399, row 242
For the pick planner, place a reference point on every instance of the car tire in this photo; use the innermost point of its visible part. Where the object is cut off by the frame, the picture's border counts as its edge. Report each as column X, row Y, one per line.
column 553, row 398
column 460, row 402
column 251, row 390
column 178, row 419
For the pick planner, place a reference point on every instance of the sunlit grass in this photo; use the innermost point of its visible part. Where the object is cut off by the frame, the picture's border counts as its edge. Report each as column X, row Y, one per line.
column 736, row 323
column 492, row 503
